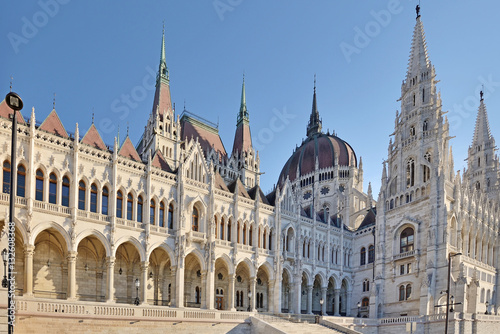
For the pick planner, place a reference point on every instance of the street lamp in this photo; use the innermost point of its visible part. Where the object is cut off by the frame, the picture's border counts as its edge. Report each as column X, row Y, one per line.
column 452, row 302
column 5, row 258
column 15, row 103
column 359, row 310
column 450, row 255
column 249, row 297
column 321, row 301
column 137, row 284
column 487, row 303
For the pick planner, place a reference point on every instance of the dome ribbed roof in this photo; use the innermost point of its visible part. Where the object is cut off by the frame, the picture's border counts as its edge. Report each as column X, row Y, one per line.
column 322, row 146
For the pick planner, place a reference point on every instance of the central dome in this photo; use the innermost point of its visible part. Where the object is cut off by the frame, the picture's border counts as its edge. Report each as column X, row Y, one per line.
column 328, row 149
column 323, row 147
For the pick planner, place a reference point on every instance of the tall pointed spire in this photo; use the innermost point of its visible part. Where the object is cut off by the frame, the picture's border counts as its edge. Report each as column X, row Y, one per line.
column 419, row 60
column 162, row 102
column 163, row 69
column 314, row 125
column 243, row 114
column 482, row 132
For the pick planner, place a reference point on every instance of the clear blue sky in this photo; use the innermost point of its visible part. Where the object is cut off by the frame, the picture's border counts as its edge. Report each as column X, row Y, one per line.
column 90, row 53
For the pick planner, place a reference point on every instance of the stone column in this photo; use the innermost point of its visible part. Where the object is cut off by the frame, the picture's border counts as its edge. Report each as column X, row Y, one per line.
column 71, row 275
column 253, row 282
column 204, row 291
column 29, row 250
column 297, row 295
column 144, row 282
column 309, row 299
column 231, row 293
column 110, row 276
column 336, row 305
column 323, row 295
column 348, row 303
column 179, row 286
column 271, row 297
column 173, row 287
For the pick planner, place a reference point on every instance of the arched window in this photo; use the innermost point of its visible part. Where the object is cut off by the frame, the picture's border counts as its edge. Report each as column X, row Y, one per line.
column 362, row 256
column 238, row 233
column 81, row 195
column 304, row 249
column 408, row 291
column 119, row 204
column 198, row 295
column 6, row 178
column 426, row 169
column 21, row 181
column 93, row 198
column 39, row 185
column 410, row 173
column 171, row 216
column 152, row 212
column 371, row 254
column 406, row 240
column 195, row 220
column 244, row 235
column 250, row 236
column 402, row 293
column 161, row 221
column 258, row 238
column 425, row 126
column 65, row 192
column 221, row 229
column 229, row 230
column 365, row 302
column 130, row 207
column 52, row 188
column 139, row 209
column 270, row 240
column 105, row 201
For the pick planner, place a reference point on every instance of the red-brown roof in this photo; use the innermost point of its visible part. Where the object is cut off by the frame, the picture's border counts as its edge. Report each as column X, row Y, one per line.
column 54, row 125
column 237, row 187
column 219, row 182
column 162, row 99
column 242, row 138
column 128, row 150
column 93, row 138
column 207, row 138
column 5, row 112
column 160, row 162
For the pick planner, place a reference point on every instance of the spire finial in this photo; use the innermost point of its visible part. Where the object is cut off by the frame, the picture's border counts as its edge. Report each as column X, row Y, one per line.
column 54, row 102
column 11, row 78
column 315, row 83
column 92, row 115
column 481, row 94
column 417, row 9
column 127, row 129
column 184, row 104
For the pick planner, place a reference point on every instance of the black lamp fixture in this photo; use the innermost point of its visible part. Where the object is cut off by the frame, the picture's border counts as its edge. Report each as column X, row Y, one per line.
column 4, row 258
column 249, row 297
column 321, row 302
column 486, row 312
column 150, row 274
column 359, row 310
column 137, row 284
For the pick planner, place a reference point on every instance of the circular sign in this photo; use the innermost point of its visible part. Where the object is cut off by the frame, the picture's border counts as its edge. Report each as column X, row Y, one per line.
column 14, row 101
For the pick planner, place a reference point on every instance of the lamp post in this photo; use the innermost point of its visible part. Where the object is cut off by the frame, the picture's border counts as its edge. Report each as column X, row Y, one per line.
column 4, row 258
column 487, row 304
column 321, row 301
column 137, row 284
column 359, row 310
column 249, row 297
column 15, row 103
column 448, row 310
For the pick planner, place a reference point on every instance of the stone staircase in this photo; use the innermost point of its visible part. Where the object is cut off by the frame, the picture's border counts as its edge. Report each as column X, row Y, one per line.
column 297, row 323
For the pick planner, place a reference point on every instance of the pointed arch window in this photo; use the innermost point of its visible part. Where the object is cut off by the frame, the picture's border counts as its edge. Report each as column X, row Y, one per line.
column 81, row 195
column 65, row 192
column 221, row 229
column 171, row 216
column 119, row 204
column 130, row 207
column 21, row 181
column 402, row 293
column 410, row 173
column 93, row 198
column 244, row 235
column 238, row 229
column 161, row 217
column 195, row 220
column 140, row 205
column 425, row 125
column 105, row 201
column 39, row 185
column 229, row 222
column 270, row 239
column 362, row 256
column 406, row 240
column 152, row 212
column 250, row 236
column 371, row 254
column 52, row 188
column 6, row 178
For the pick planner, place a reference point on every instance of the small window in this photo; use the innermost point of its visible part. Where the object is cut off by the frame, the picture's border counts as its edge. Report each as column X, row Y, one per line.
column 152, row 212
column 130, row 207
column 52, row 188
column 119, row 204
column 195, row 220
column 171, row 216
column 65, row 192
column 402, row 293
column 406, row 240
column 371, row 254
column 139, row 209
column 105, row 201
column 93, row 198
column 21, row 181
column 6, row 178
column 81, row 195
column 161, row 221
column 362, row 256
column 39, row 185
column 365, row 302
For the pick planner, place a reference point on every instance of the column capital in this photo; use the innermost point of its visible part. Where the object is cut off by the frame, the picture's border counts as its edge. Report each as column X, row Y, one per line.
column 29, row 250
column 72, row 256
column 323, row 290
column 309, row 288
column 110, row 260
